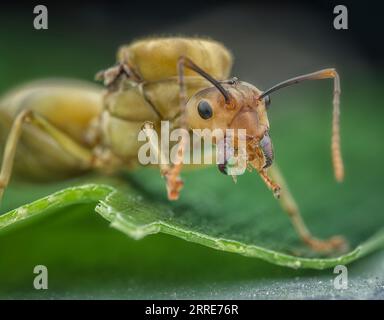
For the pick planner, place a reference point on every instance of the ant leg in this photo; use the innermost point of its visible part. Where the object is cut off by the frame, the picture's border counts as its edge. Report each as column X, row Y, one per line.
column 289, row 205
column 166, row 170
column 84, row 155
column 272, row 185
column 172, row 173
column 10, row 150
column 174, row 183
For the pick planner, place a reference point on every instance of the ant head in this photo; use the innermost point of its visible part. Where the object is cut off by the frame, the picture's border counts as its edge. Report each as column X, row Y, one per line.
column 236, row 106
column 239, row 107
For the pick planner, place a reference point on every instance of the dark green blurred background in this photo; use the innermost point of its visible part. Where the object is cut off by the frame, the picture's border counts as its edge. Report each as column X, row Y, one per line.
column 271, row 41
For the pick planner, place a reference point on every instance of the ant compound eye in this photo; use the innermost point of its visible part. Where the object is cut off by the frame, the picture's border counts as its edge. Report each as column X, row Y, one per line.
column 267, row 101
column 204, row 109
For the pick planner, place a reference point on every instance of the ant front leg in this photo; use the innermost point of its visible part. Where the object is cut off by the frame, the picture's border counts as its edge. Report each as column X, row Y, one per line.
column 172, row 175
column 271, row 184
column 169, row 172
column 289, row 205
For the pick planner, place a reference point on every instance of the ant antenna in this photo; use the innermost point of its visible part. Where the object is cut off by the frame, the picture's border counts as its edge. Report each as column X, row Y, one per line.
column 186, row 62
column 335, row 143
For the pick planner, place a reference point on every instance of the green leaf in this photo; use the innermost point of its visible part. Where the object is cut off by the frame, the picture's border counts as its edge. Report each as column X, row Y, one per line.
column 87, row 260
column 140, row 211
